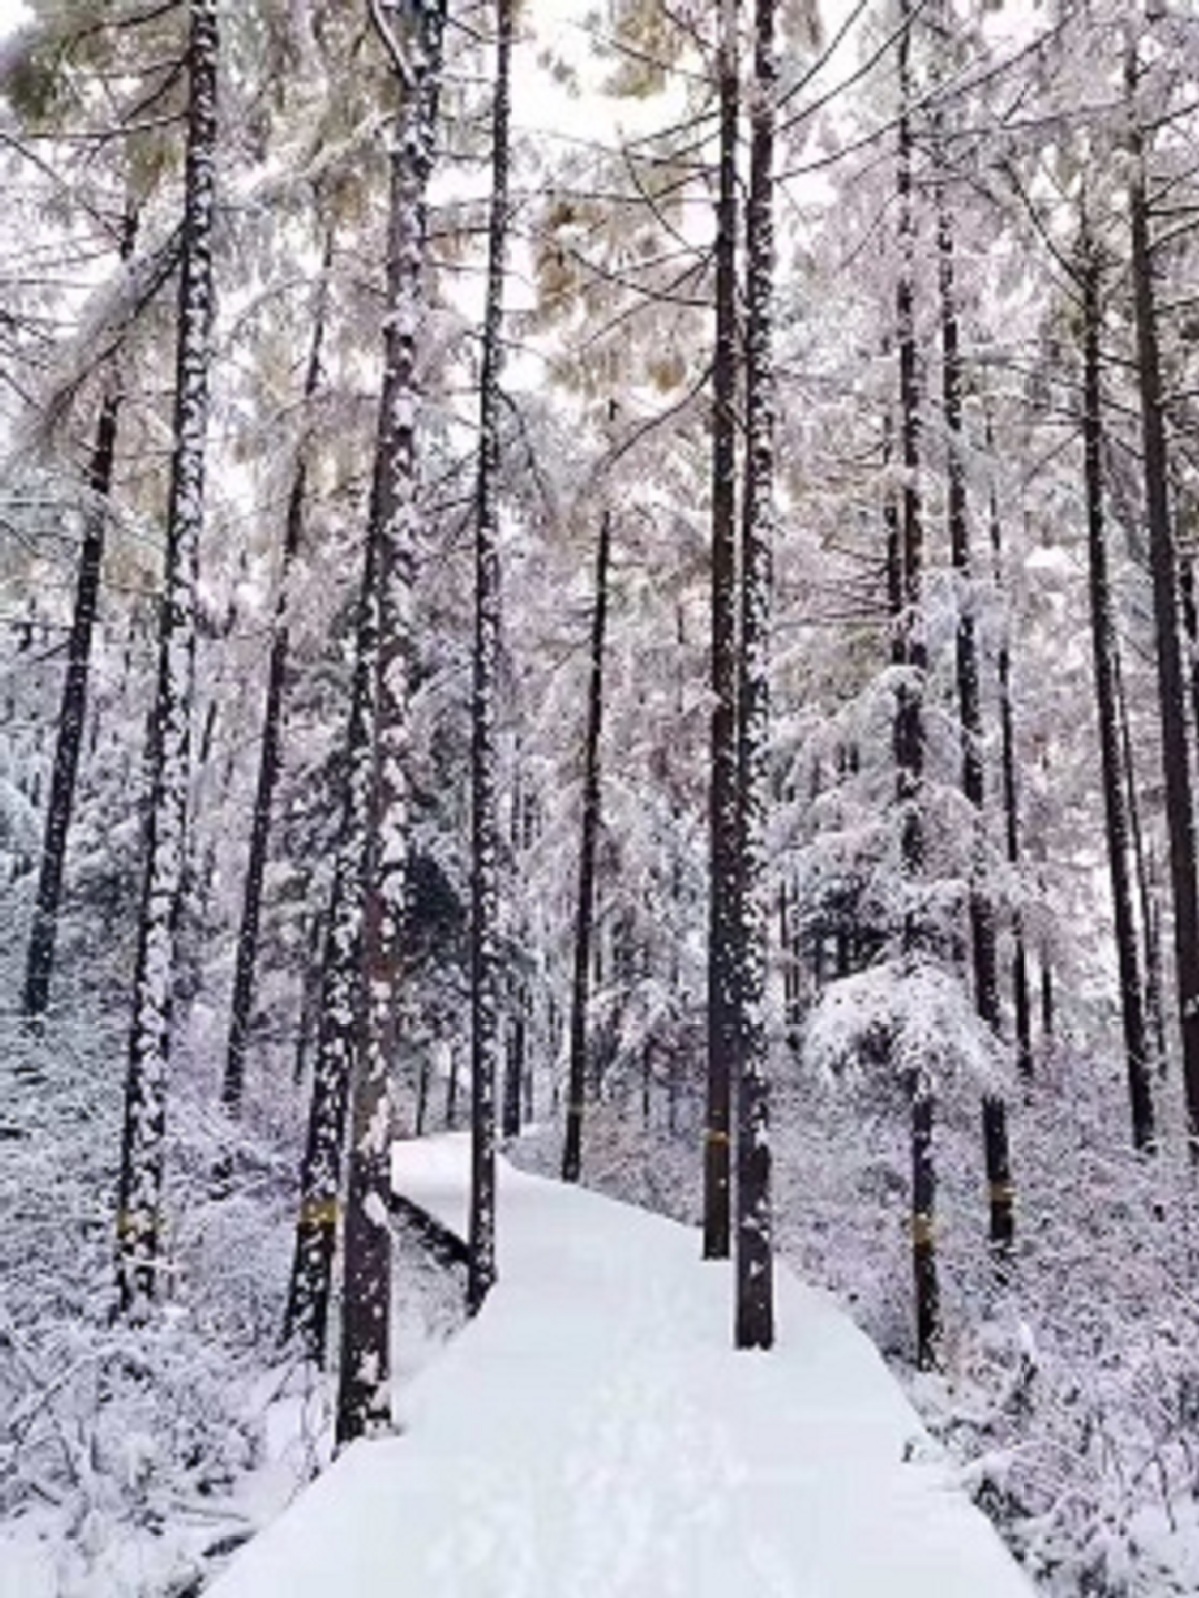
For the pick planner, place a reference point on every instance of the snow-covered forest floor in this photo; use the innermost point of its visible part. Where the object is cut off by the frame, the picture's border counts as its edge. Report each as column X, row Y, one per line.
column 1070, row 1393
column 131, row 1461
column 594, row 1432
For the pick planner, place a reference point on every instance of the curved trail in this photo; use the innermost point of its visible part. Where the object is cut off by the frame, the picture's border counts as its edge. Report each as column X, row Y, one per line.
column 593, row 1435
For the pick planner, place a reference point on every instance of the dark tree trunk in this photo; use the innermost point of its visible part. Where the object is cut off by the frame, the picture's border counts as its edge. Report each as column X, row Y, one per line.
column 1171, row 692
column 310, row 991
column 451, row 1093
column 1190, row 620
column 722, row 795
column 310, row 1293
column 754, row 1264
column 514, row 1065
column 1048, row 1004
column 1011, row 808
column 363, row 1399
column 924, row 1248
column 1155, row 1028
column 139, row 1202
column 72, row 714
column 270, row 752
column 1105, row 650
column 908, row 646
column 485, row 826
column 984, row 944
column 1001, row 1193
column 572, row 1150
column 982, row 913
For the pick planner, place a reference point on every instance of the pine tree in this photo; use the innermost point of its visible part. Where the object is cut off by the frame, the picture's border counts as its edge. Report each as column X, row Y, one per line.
column 1105, row 645
column 754, row 1266
column 576, row 1091
column 485, row 837
column 39, row 960
column 270, row 750
column 411, row 32
column 722, row 794
column 139, row 1219
column 1163, row 562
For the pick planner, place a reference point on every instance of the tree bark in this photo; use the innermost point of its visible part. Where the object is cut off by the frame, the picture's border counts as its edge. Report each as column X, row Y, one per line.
column 924, row 1248
column 983, row 940
column 363, row 1399
column 139, row 1200
column 72, row 715
column 1021, row 993
column 1171, row 692
column 585, row 906
column 722, row 795
column 485, row 828
column 908, row 646
column 1105, row 653
column 754, row 1265
column 982, row 913
column 270, row 751
column 311, row 1288
column 1155, row 1029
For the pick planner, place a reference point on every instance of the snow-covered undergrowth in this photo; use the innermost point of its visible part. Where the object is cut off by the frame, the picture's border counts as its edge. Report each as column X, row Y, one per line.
column 1069, row 1393
column 132, row 1459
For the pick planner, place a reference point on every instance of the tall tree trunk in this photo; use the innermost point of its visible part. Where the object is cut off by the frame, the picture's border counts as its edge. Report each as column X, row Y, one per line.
column 572, row 1151
column 982, row 914
column 1011, row 804
column 1190, row 621
column 1171, row 693
column 1105, row 649
column 924, row 1243
column 754, row 1264
column 310, row 1293
column 905, row 568
column 722, row 795
column 485, row 834
column 139, row 1202
column 412, row 33
column 72, row 714
column 514, row 1065
column 984, row 946
column 1155, row 1029
column 270, row 752
column 908, row 647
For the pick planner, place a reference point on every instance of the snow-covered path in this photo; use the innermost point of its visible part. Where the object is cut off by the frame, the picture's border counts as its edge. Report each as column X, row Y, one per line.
column 593, row 1434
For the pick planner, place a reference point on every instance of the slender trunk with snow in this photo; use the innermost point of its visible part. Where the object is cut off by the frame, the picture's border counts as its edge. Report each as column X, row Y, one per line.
column 413, row 36
column 43, row 936
column 1150, row 951
column 924, row 1241
column 982, row 912
column 908, row 645
column 1021, row 992
column 485, row 826
column 1176, row 771
column 722, row 796
column 754, row 1264
column 139, row 1218
column 1001, row 1197
column 270, row 751
column 311, row 1288
column 572, row 1150
column 1105, row 647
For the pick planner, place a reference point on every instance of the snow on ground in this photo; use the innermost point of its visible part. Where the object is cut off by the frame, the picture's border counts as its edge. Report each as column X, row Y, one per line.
column 592, row 1432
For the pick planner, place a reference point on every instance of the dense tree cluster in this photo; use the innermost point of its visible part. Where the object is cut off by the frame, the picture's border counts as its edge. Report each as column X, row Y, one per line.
column 632, row 578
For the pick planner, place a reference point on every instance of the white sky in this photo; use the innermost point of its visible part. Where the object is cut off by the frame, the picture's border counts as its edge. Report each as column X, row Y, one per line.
column 11, row 13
